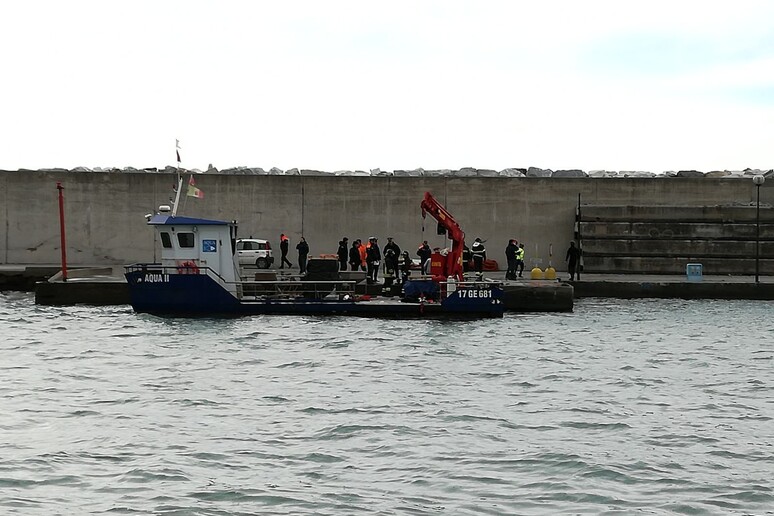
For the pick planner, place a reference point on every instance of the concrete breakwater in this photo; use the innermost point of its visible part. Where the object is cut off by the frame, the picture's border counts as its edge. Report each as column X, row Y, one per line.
column 105, row 224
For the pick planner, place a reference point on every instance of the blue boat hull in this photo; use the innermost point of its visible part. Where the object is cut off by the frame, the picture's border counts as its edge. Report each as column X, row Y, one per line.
column 200, row 295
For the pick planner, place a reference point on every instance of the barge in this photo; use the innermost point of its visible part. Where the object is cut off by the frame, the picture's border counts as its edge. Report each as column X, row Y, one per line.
column 199, row 275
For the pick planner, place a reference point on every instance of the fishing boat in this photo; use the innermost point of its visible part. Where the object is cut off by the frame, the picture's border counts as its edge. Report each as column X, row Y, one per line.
column 199, row 275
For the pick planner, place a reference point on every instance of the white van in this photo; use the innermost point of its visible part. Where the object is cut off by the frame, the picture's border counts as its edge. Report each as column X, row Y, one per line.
column 254, row 251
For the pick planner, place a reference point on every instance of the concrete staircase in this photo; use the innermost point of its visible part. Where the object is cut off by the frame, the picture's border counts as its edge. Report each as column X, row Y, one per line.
column 663, row 239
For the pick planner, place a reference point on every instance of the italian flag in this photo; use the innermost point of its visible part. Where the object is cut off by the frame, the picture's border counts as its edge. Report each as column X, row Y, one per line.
column 193, row 191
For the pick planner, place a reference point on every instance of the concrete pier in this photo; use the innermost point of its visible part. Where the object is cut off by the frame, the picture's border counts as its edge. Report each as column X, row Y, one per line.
column 22, row 278
column 629, row 286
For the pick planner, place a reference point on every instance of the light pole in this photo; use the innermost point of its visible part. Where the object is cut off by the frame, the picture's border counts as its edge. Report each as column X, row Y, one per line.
column 758, row 180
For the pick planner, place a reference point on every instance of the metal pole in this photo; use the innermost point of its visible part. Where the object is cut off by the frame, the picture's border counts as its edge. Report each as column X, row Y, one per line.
column 757, row 233
column 62, row 240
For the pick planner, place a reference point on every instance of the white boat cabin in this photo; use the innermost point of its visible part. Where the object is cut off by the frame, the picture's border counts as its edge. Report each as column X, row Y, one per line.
column 191, row 245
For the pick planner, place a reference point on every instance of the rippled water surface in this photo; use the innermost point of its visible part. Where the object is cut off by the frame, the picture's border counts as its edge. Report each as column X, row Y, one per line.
column 622, row 407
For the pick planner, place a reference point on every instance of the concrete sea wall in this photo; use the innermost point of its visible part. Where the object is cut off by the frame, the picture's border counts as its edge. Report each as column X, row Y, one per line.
column 106, row 225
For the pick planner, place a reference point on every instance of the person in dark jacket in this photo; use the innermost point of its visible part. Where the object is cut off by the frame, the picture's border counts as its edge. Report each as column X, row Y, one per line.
column 354, row 256
column 284, row 245
column 424, row 252
column 572, row 259
column 479, row 257
column 510, row 255
column 373, row 258
column 343, row 253
column 466, row 258
column 404, row 262
column 391, row 255
column 303, row 253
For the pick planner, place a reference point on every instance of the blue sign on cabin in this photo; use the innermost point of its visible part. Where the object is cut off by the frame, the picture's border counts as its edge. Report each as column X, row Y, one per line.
column 209, row 246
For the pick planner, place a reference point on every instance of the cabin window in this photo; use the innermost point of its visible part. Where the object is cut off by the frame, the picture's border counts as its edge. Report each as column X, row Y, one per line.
column 185, row 239
column 166, row 241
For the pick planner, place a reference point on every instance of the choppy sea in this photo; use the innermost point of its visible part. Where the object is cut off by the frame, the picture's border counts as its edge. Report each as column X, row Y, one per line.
column 621, row 407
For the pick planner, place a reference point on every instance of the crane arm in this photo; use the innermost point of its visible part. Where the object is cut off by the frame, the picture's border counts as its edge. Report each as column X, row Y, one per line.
column 456, row 235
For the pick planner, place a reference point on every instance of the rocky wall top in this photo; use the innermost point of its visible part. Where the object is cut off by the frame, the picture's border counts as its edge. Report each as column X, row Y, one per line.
column 420, row 172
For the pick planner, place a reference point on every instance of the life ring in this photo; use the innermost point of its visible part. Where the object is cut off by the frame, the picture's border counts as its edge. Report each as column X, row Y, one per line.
column 188, row 267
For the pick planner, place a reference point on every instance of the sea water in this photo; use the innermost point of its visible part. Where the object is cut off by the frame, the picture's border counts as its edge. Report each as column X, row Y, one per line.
column 621, row 407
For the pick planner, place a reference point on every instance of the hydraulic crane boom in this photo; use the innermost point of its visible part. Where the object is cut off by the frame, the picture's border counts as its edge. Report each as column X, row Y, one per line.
column 438, row 212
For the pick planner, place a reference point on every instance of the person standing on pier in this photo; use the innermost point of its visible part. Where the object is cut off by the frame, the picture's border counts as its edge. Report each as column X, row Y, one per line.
column 393, row 251
column 373, row 259
column 520, row 259
column 284, row 245
column 572, row 259
column 343, row 253
column 404, row 262
column 479, row 257
column 424, row 252
column 363, row 248
column 511, row 251
column 354, row 256
column 303, row 253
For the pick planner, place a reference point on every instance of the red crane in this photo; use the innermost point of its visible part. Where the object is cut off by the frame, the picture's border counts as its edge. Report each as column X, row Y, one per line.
column 452, row 265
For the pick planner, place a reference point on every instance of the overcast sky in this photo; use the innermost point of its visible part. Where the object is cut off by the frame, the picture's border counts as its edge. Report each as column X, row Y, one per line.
column 356, row 85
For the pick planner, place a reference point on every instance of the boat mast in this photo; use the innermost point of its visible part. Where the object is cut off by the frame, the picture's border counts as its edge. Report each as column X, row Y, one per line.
column 179, row 180
column 177, row 195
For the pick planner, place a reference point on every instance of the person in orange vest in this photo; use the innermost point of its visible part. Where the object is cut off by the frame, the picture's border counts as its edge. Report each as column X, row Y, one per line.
column 363, row 254
column 354, row 255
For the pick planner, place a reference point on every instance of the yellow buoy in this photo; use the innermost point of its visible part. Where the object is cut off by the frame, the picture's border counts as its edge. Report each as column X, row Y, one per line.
column 551, row 273
column 536, row 273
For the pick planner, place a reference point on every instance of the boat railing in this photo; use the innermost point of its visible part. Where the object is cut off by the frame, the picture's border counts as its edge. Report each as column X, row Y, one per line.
column 294, row 286
column 157, row 268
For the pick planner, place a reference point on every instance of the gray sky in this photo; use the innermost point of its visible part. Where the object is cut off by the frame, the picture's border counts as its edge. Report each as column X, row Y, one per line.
column 355, row 85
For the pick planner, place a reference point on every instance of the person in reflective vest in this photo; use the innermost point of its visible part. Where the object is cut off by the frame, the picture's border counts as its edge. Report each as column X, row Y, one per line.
column 479, row 256
column 520, row 259
column 363, row 248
